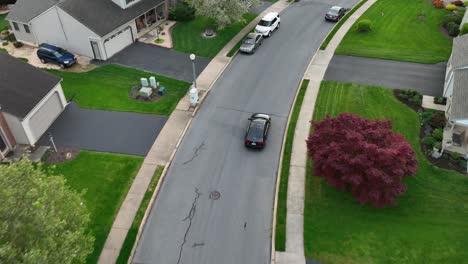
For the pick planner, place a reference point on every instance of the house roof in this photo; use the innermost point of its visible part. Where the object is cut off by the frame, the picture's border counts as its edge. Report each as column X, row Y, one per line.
column 104, row 16
column 460, row 52
column 459, row 108
column 25, row 10
column 22, row 85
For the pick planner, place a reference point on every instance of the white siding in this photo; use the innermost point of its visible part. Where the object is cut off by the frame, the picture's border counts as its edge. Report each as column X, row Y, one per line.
column 78, row 36
column 21, row 34
column 16, row 129
column 48, row 29
column 49, row 116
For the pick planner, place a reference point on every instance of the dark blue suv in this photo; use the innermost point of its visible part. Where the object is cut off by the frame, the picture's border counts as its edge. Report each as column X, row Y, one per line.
column 49, row 53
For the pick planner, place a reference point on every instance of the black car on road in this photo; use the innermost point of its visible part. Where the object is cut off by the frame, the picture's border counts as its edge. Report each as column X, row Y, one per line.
column 257, row 131
column 335, row 13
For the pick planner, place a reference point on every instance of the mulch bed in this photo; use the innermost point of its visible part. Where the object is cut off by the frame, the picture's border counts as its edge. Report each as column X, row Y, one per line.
column 134, row 95
column 446, row 161
column 444, row 31
column 63, row 154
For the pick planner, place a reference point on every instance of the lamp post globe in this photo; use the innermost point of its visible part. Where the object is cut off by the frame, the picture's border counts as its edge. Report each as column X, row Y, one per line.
column 192, row 57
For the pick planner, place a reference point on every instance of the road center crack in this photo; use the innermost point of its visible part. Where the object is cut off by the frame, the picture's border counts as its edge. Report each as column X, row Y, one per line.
column 189, row 217
column 196, row 153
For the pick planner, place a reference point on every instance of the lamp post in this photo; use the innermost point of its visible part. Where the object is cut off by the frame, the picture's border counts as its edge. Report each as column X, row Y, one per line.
column 194, row 91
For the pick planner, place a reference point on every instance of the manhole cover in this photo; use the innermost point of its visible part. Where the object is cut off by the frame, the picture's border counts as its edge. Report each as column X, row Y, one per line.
column 215, row 195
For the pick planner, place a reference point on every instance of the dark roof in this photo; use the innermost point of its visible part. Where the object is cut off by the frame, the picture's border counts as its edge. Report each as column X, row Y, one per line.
column 104, row 16
column 459, row 108
column 22, row 86
column 25, row 10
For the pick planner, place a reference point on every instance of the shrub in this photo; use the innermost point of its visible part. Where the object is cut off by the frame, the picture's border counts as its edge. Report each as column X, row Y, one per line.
column 451, row 7
column 450, row 18
column 438, row 145
column 7, row 2
column 182, row 12
column 464, row 29
column 465, row 3
column 438, row 120
column 404, row 96
column 462, row 164
column 364, row 25
column 362, row 156
column 438, row 134
column 4, row 43
column 18, row 44
column 429, row 142
column 4, row 32
column 440, row 100
column 453, row 29
column 416, row 100
column 438, row 4
column 426, row 116
column 458, row 3
column 455, row 155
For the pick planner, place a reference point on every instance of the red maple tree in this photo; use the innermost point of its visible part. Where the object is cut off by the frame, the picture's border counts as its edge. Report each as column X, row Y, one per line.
column 362, row 155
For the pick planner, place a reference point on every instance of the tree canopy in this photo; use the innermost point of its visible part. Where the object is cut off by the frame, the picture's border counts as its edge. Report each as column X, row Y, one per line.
column 363, row 156
column 224, row 12
column 41, row 219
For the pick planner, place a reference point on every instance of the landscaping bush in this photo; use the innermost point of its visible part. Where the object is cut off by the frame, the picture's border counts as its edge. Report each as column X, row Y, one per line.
column 438, row 120
column 429, row 142
column 465, row 3
column 426, row 117
column 458, row 3
column 464, row 29
column 455, row 155
column 7, row 2
column 453, row 29
column 438, row 145
column 183, row 12
column 462, row 164
column 438, row 134
column 451, row 7
column 438, row 4
column 364, row 25
column 4, row 43
column 440, row 100
column 450, row 18
column 416, row 100
column 18, row 44
column 4, row 32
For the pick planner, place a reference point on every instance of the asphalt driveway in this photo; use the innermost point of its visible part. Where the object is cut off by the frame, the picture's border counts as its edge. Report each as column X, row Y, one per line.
column 263, row 5
column 105, row 131
column 428, row 79
column 159, row 60
column 215, row 204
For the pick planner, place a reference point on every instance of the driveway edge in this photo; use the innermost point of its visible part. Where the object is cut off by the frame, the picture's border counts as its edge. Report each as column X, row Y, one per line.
column 315, row 72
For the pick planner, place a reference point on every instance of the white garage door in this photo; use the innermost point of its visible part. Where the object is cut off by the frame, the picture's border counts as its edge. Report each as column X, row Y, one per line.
column 44, row 116
column 118, row 41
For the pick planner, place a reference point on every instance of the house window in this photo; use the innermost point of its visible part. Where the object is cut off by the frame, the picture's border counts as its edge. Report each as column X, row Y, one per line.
column 15, row 25
column 26, row 28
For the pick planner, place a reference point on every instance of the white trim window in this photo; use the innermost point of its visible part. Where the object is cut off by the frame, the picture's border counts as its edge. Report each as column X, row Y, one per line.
column 15, row 26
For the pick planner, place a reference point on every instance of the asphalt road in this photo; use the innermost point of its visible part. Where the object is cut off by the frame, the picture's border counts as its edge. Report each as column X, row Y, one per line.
column 425, row 78
column 185, row 225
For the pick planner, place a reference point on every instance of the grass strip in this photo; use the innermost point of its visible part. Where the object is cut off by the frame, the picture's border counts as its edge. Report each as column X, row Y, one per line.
column 339, row 24
column 280, row 238
column 133, row 231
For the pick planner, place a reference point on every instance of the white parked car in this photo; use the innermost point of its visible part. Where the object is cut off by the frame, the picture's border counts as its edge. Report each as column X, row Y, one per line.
column 269, row 23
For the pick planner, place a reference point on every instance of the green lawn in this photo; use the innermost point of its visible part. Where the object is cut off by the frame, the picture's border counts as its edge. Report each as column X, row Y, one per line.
column 3, row 22
column 187, row 36
column 399, row 34
column 106, row 179
column 280, row 236
column 428, row 226
column 127, row 247
column 107, row 88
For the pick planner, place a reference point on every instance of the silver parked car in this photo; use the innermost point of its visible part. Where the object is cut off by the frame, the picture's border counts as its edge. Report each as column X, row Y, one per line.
column 251, row 43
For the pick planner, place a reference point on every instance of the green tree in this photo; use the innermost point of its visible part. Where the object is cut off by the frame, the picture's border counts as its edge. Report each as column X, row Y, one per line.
column 224, row 12
column 41, row 219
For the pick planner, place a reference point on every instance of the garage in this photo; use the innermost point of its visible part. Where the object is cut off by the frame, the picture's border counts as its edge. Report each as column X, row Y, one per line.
column 41, row 120
column 118, row 41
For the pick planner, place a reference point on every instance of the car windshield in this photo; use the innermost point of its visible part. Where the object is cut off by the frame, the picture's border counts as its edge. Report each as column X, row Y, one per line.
column 249, row 41
column 60, row 52
column 333, row 11
column 264, row 23
column 255, row 133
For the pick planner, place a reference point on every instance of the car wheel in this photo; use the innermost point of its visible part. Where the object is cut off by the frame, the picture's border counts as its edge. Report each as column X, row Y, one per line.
column 269, row 34
column 43, row 61
column 278, row 26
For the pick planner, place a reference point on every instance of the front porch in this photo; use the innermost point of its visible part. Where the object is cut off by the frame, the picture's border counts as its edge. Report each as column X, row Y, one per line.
column 151, row 19
column 456, row 138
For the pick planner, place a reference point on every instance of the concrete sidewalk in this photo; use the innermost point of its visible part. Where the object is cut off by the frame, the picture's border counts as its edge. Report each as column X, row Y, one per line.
column 166, row 144
column 294, row 253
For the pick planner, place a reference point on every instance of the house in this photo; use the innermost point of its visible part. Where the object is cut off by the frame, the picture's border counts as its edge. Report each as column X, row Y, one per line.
column 456, row 92
column 30, row 101
column 94, row 28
